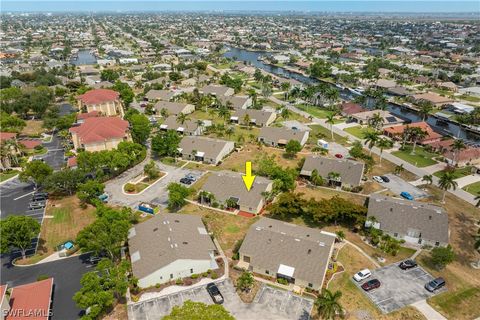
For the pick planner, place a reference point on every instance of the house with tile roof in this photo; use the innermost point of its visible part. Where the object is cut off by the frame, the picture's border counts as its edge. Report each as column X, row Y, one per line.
column 100, row 133
column 281, row 250
column 168, row 247
column 396, row 132
column 105, row 101
column 32, row 301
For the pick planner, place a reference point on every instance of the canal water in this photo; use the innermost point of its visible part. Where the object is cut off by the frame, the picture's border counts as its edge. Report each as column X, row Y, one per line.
column 84, row 58
column 443, row 127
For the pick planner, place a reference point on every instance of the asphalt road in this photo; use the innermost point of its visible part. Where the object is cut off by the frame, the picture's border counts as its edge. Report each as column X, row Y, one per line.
column 66, row 273
column 55, row 154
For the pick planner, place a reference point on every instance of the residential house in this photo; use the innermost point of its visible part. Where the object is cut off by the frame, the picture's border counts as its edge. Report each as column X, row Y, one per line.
column 259, row 118
column 413, row 221
column 168, row 247
column 100, row 133
column 105, row 101
column 396, row 132
column 279, row 137
column 432, row 97
column 206, row 150
column 155, row 95
column 281, row 250
column 349, row 108
column 468, row 156
column 388, row 118
column 235, row 102
column 228, row 186
column 173, row 108
column 217, row 90
column 471, row 91
column 385, row 84
column 339, row 172
column 190, row 127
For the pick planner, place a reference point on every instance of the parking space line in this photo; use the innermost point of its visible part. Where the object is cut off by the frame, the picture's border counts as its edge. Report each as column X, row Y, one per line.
column 382, row 301
column 22, row 196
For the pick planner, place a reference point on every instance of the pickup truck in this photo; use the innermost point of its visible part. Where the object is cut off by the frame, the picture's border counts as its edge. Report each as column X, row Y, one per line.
column 213, row 291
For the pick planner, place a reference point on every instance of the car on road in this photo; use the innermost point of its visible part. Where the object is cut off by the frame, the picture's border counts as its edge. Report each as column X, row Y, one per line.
column 407, row 264
column 406, row 195
column 213, row 291
column 371, row 284
column 435, row 284
column 385, row 178
column 362, row 275
column 378, row 179
column 36, row 205
column 339, row 156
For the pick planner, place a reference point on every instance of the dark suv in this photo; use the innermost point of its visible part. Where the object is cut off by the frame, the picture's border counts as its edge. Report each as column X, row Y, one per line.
column 371, row 284
column 407, row 264
column 435, row 284
column 40, row 196
column 213, row 291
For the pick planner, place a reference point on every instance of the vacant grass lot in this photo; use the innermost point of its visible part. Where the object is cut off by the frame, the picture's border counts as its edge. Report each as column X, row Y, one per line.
column 33, row 128
column 317, row 112
column 473, row 188
column 358, row 131
column 320, row 132
column 420, row 158
column 457, row 173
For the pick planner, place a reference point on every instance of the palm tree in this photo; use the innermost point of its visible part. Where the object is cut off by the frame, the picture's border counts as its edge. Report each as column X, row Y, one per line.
column 376, row 121
column 285, row 113
column 457, row 146
column 252, row 94
column 182, row 117
column 417, row 134
column 331, row 120
column 447, row 182
column 399, row 169
column 384, row 143
column 164, row 113
column 328, row 305
column 371, row 139
column 428, row 178
column 425, row 107
column 224, row 113
column 285, row 86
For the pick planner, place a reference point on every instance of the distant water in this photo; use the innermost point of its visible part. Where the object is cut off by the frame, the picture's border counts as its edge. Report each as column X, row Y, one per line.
column 84, row 57
column 443, row 7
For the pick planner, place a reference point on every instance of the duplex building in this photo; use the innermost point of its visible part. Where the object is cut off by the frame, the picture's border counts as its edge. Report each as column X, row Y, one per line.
column 415, row 222
column 279, row 137
column 206, row 150
column 434, row 98
column 254, row 117
column 190, row 127
column 105, row 101
column 168, row 247
column 174, row 108
column 154, row 95
column 217, row 90
column 100, row 133
column 277, row 249
column 349, row 172
column 228, row 187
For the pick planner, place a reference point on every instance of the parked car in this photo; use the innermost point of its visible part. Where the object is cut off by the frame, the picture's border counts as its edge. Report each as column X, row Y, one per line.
column 191, row 177
column 339, row 156
column 385, row 178
column 103, row 197
column 371, row 284
column 406, row 195
column 362, row 275
column 36, row 205
column 435, row 284
column 407, row 264
column 378, row 179
column 186, row 181
column 213, row 291
column 40, row 196
column 94, row 260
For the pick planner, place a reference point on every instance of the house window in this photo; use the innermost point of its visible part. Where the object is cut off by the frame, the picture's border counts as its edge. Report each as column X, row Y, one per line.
column 246, row 259
column 267, row 272
column 191, row 270
column 437, row 244
column 310, row 285
column 171, row 275
column 395, row 234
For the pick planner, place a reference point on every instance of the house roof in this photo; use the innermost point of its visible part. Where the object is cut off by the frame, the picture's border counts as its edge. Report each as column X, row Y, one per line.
column 35, row 296
column 30, row 143
column 261, row 117
column 210, row 147
column 388, row 117
column 72, row 162
column 465, row 155
column 277, row 134
column 215, row 89
column 271, row 243
column 350, row 171
column 4, row 136
column 237, row 102
column 432, row 97
column 98, row 96
column 384, row 83
column 164, row 95
column 400, row 216
column 189, row 125
column 100, row 129
column 398, row 130
column 172, row 107
column 91, row 114
column 166, row 238
column 351, row 108
column 224, row 185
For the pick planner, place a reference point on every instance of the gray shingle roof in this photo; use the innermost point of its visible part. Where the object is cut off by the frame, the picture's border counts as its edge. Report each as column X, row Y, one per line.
column 166, row 238
column 276, row 134
column 189, row 125
column 261, row 117
column 172, row 107
column 211, row 147
column 270, row 243
column 215, row 89
column 398, row 216
column 165, row 95
column 351, row 172
column 224, row 185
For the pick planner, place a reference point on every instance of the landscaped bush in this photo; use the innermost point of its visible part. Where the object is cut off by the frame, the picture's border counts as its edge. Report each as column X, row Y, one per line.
column 129, row 187
column 194, row 276
column 282, row 281
column 214, row 275
column 179, row 282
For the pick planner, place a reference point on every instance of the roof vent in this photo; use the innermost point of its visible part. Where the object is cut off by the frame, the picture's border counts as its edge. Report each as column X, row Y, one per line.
column 283, row 233
column 270, row 226
column 308, row 235
column 155, row 229
column 321, row 244
column 429, row 217
column 309, row 251
column 177, row 221
column 185, row 242
column 297, row 240
column 258, row 228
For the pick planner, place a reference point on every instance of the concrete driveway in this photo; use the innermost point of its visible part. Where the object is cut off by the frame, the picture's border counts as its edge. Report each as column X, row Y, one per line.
column 397, row 185
column 269, row 304
column 156, row 194
column 399, row 288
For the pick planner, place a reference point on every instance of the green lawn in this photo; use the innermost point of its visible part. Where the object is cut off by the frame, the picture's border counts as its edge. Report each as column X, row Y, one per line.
column 473, row 188
column 457, row 304
column 8, row 174
column 420, row 159
column 315, row 111
column 320, row 132
column 358, row 131
column 457, row 173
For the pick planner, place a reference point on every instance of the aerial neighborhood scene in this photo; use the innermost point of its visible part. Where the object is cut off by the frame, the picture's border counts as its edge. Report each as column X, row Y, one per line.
column 270, row 160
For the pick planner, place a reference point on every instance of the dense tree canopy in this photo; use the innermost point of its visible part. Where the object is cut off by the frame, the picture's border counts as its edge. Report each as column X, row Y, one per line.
column 199, row 311
column 18, row 232
column 166, row 143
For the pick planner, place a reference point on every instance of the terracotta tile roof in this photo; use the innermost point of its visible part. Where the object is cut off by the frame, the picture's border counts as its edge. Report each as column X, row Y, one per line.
column 97, row 96
column 100, row 129
column 4, row 136
column 72, row 162
column 398, row 130
column 30, row 143
column 34, row 298
column 465, row 155
column 351, row 108
column 92, row 114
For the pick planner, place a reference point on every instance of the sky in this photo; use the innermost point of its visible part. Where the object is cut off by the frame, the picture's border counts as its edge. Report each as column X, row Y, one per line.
column 387, row 6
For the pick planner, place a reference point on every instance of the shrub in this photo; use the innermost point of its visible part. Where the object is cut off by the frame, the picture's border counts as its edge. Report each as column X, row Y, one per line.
column 205, row 274
column 179, row 282
column 129, row 187
column 214, row 275
column 157, row 285
column 194, row 276
column 282, row 281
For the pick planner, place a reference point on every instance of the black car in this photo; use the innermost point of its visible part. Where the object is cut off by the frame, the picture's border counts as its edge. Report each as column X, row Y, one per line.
column 435, row 284
column 186, row 181
column 407, row 264
column 213, row 291
column 40, row 196
column 371, row 284
column 385, row 178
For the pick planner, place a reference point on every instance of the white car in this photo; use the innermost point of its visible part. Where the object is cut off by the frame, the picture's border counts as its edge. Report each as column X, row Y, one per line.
column 362, row 275
column 378, row 179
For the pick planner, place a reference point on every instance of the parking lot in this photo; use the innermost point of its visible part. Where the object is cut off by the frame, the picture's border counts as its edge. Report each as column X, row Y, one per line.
column 269, row 304
column 399, row 288
column 397, row 185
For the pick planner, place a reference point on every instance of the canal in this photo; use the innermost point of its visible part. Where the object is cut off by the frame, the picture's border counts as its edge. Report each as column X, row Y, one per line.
column 84, row 57
column 443, row 127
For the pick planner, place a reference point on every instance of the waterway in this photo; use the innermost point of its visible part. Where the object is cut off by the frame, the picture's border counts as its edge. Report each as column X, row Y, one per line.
column 443, row 127
column 84, row 57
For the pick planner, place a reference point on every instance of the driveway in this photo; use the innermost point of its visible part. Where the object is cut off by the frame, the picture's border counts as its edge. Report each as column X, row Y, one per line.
column 397, row 185
column 66, row 275
column 156, row 194
column 399, row 288
column 269, row 304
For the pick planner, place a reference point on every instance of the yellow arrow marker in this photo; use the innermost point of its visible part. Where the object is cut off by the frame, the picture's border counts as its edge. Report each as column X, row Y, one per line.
column 248, row 179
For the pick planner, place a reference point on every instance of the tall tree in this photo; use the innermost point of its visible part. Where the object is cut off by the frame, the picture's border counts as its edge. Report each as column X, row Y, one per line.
column 371, row 139
column 384, row 143
column 37, row 171
column 18, row 232
column 457, row 146
column 331, row 121
column 447, row 182
column 328, row 305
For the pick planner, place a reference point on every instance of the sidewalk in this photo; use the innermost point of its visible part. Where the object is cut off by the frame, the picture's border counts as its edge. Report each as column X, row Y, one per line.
column 428, row 311
column 465, row 181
